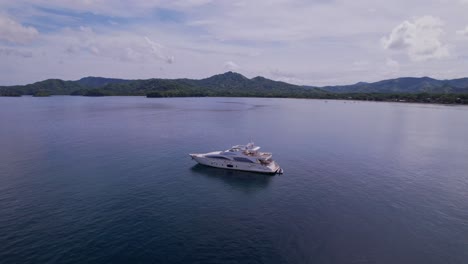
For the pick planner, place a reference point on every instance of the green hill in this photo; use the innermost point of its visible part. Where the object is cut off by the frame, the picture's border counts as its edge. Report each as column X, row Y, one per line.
column 96, row 82
column 404, row 85
column 227, row 84
column 231, row 84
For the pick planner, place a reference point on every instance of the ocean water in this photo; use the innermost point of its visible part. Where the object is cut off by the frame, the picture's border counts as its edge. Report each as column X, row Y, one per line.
column 108, row 180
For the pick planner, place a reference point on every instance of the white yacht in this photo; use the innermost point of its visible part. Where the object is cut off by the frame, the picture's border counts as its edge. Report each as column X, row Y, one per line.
column 240, row 157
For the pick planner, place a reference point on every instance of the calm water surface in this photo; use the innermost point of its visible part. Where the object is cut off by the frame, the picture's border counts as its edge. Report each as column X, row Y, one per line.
column 108, row 180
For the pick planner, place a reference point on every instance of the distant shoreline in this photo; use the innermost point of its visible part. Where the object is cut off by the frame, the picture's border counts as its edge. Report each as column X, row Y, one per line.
column 424, row 101
column 231, row 84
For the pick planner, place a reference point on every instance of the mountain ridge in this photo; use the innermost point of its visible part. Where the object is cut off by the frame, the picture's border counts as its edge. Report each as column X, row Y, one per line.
column 404, row 85
column 230, row 84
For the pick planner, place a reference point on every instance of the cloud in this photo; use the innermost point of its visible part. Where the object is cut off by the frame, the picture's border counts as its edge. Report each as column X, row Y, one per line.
column 360, row 64
column 14, row 32
column 231, row 66
column 157, row 51
column 122, row 46
column 190, row 3
column 393, row 65
column 285, row 76
column 112, row 8
column 82, row 40
column 420, row 38
column 131, row 55
column 463, row 32
column 201, row 22
column 319, row 42
column 281, row 74
column 15, row 52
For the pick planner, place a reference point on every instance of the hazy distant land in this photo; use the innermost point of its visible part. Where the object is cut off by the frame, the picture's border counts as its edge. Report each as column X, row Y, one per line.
column 231, row 84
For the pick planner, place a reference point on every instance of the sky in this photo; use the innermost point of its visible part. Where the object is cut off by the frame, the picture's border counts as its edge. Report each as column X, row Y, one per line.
column 306, row 42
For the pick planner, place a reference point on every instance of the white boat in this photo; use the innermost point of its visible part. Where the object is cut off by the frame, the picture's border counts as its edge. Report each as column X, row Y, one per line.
column 240, row 157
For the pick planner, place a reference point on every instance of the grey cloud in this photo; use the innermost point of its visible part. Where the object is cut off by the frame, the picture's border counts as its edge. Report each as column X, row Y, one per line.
column 463, row 32
column 15, row 52
column 82, row 40
column 281, row 74
column 131, row 55
column 157, row 50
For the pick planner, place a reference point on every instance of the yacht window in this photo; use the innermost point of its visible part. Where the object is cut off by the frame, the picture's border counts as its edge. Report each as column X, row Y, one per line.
column 216, row 157
column 242, row 159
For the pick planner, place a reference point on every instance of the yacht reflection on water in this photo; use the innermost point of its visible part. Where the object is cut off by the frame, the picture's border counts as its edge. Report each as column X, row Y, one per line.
column 247, row 181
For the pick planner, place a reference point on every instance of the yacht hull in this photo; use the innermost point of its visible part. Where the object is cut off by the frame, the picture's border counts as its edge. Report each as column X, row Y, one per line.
column 272, row 168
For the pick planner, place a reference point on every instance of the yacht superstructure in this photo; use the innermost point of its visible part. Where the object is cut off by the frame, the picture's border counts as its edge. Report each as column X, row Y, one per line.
column 240, row 157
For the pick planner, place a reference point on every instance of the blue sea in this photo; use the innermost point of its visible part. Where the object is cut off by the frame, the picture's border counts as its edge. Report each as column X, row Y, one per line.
column 109, row 180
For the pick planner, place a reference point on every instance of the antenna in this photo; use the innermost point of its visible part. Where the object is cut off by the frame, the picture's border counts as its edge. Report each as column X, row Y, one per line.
column 251, row 144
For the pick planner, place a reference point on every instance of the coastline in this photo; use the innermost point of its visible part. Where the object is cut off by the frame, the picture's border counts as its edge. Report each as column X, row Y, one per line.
column 345, row 100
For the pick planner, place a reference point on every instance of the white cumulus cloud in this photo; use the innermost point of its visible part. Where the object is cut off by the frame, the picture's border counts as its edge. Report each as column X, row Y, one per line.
column 420, row 38
column 231, row 66
column 14, row 32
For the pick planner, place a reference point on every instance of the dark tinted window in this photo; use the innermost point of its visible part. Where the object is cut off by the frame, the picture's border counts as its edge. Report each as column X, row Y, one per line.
column 242, row 159
column 216, row 157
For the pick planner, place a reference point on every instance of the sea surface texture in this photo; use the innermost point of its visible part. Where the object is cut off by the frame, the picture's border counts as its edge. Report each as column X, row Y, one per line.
column 109, row 180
